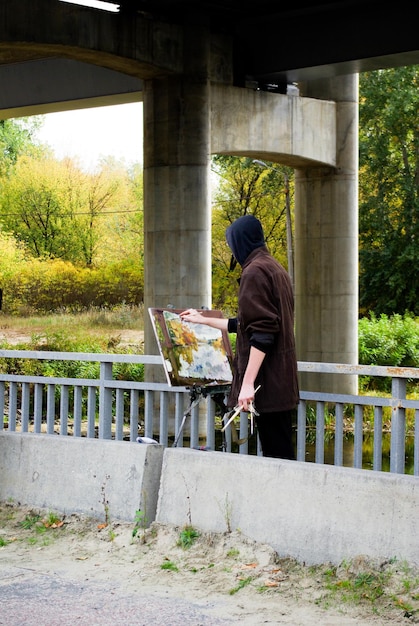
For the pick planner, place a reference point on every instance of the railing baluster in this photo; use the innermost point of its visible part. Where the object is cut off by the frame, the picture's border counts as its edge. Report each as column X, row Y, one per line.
column 37, row 407
column 244, row 432
column 320, row 407
column 339, row 434
column 77, row 410
column 378, row 438
column 148, row 413
column 179, row 412
column 416, row 445
column 164, row 403
column 64, row 410
column 194, row 417
column 227, row 438
column 133, row 415
column 210, row 423
column 50, row 409
column 119, row 414
column 24, row 408
column 12, row 406
column 358, row 436
column 91, row 412
column 2, row 404
column 301, row 430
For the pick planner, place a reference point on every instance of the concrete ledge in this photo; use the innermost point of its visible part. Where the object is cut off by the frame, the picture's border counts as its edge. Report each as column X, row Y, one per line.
column 314, row 513
column 72, row 475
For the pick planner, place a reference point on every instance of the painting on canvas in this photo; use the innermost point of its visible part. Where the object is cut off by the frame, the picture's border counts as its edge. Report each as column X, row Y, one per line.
column 192, row 353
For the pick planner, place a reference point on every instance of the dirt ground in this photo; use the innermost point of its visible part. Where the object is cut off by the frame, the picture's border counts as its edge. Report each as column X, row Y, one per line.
column 229, row 578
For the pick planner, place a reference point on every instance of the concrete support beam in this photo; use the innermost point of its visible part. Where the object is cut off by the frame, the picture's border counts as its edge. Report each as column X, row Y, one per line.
column 326, row 246
column 274, row 127
column 177, row 214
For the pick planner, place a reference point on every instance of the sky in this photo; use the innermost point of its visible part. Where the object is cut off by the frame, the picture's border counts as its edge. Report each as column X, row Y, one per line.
column 90, row 134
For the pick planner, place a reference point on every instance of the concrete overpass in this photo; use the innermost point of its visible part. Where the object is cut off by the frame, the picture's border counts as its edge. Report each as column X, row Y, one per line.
column 213, row 80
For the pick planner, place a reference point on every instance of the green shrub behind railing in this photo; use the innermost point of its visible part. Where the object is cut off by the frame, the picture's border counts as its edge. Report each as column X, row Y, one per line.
column 387, row 340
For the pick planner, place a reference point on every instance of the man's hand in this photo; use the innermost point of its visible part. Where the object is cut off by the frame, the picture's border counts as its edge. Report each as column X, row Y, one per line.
column 246, row 396
column 192, row 315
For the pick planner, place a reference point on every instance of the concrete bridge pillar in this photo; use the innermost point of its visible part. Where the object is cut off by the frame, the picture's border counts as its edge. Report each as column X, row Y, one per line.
column 177, row 215
column 326, row 245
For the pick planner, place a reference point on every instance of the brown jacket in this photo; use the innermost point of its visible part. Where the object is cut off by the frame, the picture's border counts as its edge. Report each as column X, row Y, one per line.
column 266, row 305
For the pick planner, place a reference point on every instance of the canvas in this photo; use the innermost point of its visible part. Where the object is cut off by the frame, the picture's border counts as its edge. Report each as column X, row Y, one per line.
column 193, row 354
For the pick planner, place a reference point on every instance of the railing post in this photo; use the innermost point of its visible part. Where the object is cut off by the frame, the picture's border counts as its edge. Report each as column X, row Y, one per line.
column 105, row 402
column 398, row 427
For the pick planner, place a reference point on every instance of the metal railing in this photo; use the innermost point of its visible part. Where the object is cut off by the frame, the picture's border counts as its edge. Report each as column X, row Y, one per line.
column 123, row 409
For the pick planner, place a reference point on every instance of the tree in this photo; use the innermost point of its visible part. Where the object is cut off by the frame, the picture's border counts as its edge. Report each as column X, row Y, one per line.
column 245, row 187
column 389, row 186
column 37, row 210
column 17, row 138
column 58, row 211
column 122, row 220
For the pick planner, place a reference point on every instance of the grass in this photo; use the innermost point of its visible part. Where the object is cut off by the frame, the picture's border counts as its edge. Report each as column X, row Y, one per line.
column 394, row 583
column 169, row 565
column 242, row 583
column 76, row 329
column 187, row 537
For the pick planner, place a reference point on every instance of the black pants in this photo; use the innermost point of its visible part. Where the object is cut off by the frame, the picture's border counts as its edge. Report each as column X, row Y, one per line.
column 275, row 434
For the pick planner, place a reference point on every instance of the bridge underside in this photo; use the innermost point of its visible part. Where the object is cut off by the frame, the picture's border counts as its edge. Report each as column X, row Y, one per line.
column 203, row 76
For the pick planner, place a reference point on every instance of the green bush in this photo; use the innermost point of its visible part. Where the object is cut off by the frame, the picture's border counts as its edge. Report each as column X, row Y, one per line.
column 389, row 340
column 39, row 286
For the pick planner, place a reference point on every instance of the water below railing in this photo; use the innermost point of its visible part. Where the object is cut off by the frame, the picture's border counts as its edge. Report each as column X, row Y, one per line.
column 348, row 450
column 367, row 452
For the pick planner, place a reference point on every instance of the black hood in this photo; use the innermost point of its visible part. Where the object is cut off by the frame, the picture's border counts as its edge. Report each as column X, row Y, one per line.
column 243, row 236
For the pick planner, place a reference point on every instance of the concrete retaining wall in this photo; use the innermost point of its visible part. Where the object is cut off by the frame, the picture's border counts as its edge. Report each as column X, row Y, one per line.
column 314, row 513
column 89, row 476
